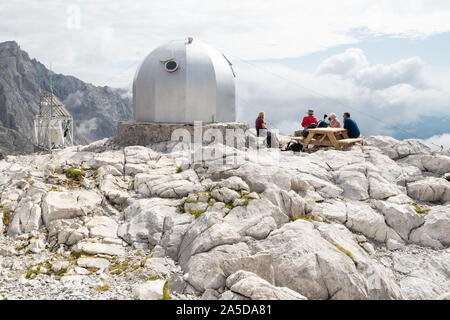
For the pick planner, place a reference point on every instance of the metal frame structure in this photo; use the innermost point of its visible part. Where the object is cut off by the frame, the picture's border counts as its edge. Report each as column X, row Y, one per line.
column 53, row 126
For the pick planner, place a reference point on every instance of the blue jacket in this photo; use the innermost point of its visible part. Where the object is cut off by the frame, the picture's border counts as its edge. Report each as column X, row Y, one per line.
column 352, row 128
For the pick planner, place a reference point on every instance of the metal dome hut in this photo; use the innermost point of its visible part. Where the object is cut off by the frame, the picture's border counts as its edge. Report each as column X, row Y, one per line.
column 184, row 81
column 177, row 85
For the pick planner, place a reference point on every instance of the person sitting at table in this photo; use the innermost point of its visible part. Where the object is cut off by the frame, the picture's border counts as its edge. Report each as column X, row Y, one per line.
column 334, row 122
column 309, row 122
column 259, row 123
column 351, row 126
column 309, row 119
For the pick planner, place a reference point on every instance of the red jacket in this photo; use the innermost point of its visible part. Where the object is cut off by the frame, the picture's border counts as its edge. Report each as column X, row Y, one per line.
column 308, row 120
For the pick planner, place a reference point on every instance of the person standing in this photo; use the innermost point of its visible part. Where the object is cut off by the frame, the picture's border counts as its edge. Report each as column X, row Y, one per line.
column 351, row 126
column 309, row 119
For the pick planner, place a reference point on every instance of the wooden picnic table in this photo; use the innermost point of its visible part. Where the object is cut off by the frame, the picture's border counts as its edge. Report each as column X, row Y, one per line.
column 326, row 137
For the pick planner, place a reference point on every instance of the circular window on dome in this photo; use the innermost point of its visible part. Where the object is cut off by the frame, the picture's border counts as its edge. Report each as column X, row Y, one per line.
column 171, row 66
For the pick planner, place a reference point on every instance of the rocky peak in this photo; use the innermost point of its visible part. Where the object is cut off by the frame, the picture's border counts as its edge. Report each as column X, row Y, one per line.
column 10, row 48
column 8, row 45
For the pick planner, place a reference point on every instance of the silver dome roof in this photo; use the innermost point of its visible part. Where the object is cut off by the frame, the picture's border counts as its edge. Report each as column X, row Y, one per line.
column 182, row 82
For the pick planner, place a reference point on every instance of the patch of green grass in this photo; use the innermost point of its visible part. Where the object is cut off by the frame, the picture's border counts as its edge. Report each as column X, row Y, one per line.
column 326, row 221
column 143, row 261
column 119, row 267
column 418, row 209
column 30, row 182
column 92, row 270
column 32, row 273
column 75, row 174
column 75, row 255
column 191, row 201
column 166, row 292
column 38, row 268
column 6, row 218
column 246, row 199
column 423, row 211
column 59, row 273
column 348, row 253
column 103, row 288
column 195, row 213
column 179, row 170
column 311, row 218
column 153, row 278
column 135, row 267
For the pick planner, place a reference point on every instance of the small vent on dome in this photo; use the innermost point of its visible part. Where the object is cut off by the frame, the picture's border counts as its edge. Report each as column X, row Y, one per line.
column 171, row 66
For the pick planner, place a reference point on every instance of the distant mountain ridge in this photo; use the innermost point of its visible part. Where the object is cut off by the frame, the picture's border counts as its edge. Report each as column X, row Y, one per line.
column 95, row 110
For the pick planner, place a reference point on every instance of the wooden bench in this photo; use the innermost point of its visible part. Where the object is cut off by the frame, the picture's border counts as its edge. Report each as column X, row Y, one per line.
column 348, row 142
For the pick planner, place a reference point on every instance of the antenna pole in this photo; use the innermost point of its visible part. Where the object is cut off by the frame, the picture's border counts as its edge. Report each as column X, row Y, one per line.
column 39, row 79
column 51, row 79
column 51, row 91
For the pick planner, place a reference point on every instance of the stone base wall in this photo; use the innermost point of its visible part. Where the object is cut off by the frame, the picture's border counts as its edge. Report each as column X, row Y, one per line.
column 130, row 133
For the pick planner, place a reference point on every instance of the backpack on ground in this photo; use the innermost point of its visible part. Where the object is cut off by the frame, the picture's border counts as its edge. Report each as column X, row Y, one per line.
column 294, row 146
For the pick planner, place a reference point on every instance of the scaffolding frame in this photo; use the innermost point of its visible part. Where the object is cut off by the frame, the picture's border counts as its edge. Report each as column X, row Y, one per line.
column 53, row 126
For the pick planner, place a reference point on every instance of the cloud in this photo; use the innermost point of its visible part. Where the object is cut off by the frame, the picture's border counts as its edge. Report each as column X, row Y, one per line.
column 439, row 140
column 380, row 97
column 114, row 36
column 353, row 64
column 350, row 62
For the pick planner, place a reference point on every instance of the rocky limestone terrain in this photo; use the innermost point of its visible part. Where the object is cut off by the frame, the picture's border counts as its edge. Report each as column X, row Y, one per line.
column 103, row 222
column 95, row 110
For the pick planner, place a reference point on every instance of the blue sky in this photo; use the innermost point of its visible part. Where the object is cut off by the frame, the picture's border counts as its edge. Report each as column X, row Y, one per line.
column 434, row 50
column 387, row 59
